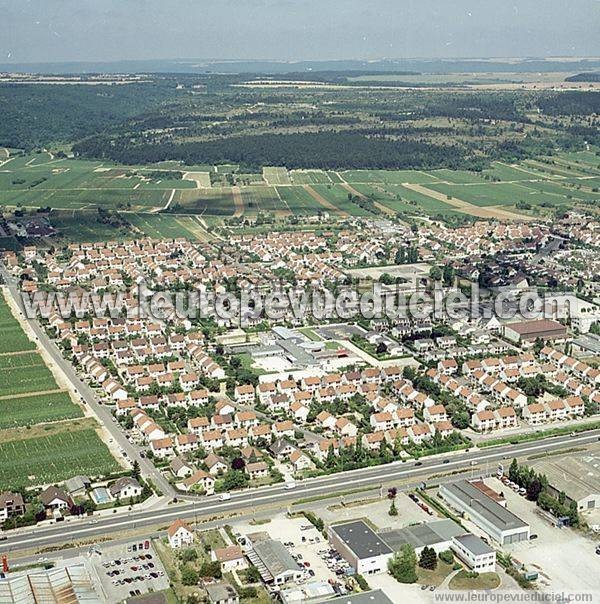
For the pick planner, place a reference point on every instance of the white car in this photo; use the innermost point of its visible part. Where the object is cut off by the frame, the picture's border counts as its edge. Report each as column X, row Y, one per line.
column 290, row 485
column 225, row 497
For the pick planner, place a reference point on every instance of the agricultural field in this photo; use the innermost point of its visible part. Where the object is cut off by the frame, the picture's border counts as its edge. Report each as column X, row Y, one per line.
column 41, row 180
column 337, row 196
column 13, row 338
column 33, row 450
column 36, row 409
column 310, row 177
column 215, row 202
column 47, row 459
column 262, row 199
column 31, row 375
column 388, row 176
column 276, row 176
column 299, row 201
column 168, row 226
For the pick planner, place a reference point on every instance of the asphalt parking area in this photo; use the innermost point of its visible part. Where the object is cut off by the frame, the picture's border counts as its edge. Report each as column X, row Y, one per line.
column 124, row 574
column 564, row 558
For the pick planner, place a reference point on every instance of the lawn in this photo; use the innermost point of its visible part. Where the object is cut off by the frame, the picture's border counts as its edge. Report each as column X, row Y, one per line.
column 463, row 582
column 434, row 577
column 53, row 458
column 36, row 409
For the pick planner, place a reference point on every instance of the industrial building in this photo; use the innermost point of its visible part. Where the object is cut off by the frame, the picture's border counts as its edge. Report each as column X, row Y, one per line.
column 578, row 476
column 475, row 553
column 437, row 535
column 274, row 562
column 360, row 546
column 529, row 331
column 500, row 524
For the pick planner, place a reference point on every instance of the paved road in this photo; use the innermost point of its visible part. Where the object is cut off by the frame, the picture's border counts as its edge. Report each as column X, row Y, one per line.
column 87, row 394
column 486, row 461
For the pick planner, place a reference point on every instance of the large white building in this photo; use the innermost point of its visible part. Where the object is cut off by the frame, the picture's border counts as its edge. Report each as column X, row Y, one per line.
column 500, row 524
column 475, row 553
column 365, row 551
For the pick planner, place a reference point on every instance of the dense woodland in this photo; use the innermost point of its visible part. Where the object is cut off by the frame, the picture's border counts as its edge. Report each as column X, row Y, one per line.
column 211, row 120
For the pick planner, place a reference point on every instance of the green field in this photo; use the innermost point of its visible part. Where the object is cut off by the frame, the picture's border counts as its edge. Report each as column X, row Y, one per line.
column 299, row 201
column 388, row 176
column 276, row 176
column 261, row 199
column 310, row 177
column 27, row 378
column 76, row 188
column 53, row 458
column 13, row 338
column 166, row 226
column 338, row 196
column 37, row 409
column 402, row 199
column 215, row 202
column 39, row 181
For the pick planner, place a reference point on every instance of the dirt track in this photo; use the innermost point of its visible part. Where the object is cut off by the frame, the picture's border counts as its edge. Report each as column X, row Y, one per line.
column 238, row 202
column 320, row 199
column 378, row 205
column 468, row 208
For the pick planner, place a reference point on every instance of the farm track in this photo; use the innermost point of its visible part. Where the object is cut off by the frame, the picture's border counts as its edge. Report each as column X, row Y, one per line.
column 322, row 201
column 36, row 393
column 238, row 202
column 468, row 208
column 378, row 205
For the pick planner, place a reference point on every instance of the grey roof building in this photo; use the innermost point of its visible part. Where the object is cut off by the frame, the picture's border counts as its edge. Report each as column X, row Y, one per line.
column 274, row 562
column 437, row 535
column 499, row 523
column 375, row 596
column 222, row 593
column 361, row 547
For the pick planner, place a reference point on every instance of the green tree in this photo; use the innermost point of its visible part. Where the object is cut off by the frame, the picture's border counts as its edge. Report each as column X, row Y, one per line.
column 403, row 566
column 428, row 558
column 393, row 511
column 189, row 576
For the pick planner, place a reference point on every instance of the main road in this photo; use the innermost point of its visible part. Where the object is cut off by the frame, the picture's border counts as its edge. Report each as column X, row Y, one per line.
column 280, row 497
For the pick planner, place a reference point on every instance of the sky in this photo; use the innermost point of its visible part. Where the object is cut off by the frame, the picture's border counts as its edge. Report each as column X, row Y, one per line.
column 112, row 30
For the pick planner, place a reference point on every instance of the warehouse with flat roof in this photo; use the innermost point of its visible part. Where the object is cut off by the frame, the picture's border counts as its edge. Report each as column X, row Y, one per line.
column 437, row 535
column 499, row 523
column 360, row 546
column 578, row 476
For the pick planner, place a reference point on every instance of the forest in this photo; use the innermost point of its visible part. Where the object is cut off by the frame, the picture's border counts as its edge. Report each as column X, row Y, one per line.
column 213, row 119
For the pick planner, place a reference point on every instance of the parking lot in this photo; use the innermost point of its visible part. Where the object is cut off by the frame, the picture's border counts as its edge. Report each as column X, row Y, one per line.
column 376, row 510
column 565, row 559
column 125, row 572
